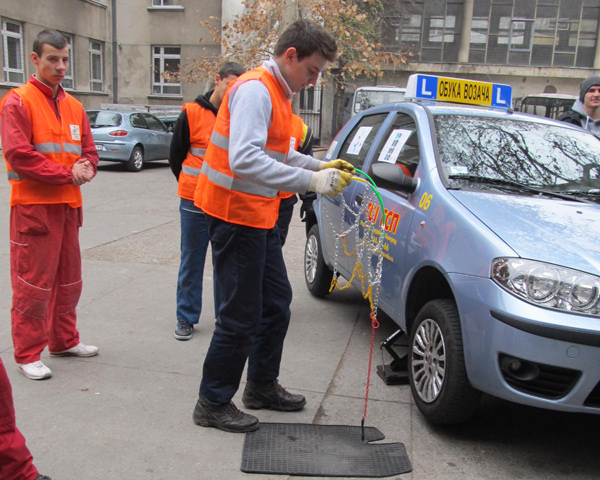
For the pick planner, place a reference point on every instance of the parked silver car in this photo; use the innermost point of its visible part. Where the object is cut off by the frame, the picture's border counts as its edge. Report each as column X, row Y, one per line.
column 132, row 137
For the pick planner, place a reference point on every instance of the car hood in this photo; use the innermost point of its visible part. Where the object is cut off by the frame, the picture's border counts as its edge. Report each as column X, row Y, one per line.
column 541, row 228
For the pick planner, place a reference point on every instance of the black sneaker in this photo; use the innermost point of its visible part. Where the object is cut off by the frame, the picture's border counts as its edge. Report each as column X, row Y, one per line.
column 183, row 331
column 271, row 395
column 225, row 417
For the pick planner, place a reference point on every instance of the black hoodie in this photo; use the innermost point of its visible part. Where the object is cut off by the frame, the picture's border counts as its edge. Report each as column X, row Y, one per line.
column 180, row 143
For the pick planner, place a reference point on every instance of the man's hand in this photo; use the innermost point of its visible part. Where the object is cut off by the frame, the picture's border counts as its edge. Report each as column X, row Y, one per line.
column 339, row 164
column 329, row 181
column 82, row 172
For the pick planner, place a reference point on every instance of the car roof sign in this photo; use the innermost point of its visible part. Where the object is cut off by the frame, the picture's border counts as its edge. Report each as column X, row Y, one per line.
column 458, row 90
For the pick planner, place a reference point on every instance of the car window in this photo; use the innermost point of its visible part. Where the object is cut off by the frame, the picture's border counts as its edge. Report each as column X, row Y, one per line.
column 357, row 144
column 153, row 122
column 137, row 120
column 104, row 118
column 400, row 145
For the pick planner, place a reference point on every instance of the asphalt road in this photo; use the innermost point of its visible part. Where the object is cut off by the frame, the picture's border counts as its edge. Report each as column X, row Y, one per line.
column 126, row 414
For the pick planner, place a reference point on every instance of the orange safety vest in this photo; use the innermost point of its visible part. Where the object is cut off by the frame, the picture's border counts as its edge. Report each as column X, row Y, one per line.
column 298, row 137
column 201, row 122
column 58, row 140
column 229, row 197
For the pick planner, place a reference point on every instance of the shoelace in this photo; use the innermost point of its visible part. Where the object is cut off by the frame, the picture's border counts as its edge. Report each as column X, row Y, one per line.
column 233, row 411
column 38, row 364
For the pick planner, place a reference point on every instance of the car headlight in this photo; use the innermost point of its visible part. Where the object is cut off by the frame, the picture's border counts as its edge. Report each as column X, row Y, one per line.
column 548, row 285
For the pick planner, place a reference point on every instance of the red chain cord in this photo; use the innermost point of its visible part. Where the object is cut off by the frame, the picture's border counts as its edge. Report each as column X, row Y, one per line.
column 374, row 326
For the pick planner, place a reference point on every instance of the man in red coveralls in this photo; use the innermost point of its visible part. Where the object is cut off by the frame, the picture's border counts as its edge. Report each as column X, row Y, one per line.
column 49, row 153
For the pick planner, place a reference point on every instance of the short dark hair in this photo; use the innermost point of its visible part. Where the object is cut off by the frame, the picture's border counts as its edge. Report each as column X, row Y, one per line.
column 307, row 38
column 230, row 68
column 51, row 37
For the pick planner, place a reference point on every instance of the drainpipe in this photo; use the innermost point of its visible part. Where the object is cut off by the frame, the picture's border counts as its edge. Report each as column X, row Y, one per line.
column 115, row 69
column 465, row 34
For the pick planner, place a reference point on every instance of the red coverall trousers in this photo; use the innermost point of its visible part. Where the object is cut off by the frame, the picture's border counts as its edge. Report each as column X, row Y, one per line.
column 45, row 267
column 16, row 462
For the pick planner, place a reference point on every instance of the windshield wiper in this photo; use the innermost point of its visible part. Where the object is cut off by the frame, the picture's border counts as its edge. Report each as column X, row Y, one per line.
column 501, row 182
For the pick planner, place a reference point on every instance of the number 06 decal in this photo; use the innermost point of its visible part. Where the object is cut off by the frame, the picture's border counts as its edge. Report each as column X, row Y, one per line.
column 425, row 201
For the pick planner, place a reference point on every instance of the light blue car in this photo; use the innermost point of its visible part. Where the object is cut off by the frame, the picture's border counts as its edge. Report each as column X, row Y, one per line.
column 132, row 137
column 491, row 249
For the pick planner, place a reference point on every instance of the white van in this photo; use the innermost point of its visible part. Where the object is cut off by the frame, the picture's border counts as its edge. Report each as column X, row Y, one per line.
column 367, row 97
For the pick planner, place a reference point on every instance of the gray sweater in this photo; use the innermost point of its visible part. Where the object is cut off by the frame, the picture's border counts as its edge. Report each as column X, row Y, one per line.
column 251, row 117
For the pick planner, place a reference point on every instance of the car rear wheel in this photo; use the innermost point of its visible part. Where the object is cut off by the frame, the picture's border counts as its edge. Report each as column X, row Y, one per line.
column 136, row 160
column 436, row 365
column 317, row 274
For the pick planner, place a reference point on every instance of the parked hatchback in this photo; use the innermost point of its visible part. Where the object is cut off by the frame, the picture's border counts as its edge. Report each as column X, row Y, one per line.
column 491, row 245
column 131, row 137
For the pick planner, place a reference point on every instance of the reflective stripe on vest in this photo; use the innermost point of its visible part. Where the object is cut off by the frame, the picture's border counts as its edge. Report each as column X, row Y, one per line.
column 223, row 142
column 50, row 147
column 236, row 184
column 194, row 172
column 198, row 152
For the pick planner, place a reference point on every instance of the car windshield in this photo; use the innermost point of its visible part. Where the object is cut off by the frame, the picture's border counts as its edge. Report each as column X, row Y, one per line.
column 505, row 152
column 104, row 119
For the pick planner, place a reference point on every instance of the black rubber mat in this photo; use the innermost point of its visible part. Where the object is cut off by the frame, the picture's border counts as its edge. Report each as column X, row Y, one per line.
column 321, row 451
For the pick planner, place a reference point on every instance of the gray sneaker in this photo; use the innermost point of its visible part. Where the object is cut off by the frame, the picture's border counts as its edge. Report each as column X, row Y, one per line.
column 183, row 331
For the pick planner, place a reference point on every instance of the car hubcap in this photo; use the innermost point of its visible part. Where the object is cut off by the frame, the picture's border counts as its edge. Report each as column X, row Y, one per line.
column 310, row 259
column 428, row 363
column 137, row 159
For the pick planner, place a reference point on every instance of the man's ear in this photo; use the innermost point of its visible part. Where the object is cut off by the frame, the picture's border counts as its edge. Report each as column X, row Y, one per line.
column 290, row 54
column 217, row 80
column 34, row 58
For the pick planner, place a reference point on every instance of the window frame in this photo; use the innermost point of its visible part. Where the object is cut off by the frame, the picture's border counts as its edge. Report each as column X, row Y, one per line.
column 96, row 53
column 162, row 83
column 69, row 75
column 19, row 57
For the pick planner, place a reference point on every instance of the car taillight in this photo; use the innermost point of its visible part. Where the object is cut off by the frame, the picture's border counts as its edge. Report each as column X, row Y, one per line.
column 118, row 133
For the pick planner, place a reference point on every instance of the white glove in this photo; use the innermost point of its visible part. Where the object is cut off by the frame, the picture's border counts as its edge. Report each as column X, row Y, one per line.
column 329, row 181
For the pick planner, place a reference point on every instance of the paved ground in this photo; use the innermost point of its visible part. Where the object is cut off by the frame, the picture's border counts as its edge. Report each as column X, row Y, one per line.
column 126, row 414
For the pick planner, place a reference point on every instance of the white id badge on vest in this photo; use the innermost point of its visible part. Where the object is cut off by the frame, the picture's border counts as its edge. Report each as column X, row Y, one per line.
column 75, row 134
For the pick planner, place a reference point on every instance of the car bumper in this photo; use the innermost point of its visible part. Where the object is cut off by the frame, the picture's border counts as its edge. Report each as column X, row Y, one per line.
column 114, row 151
column 559, row 352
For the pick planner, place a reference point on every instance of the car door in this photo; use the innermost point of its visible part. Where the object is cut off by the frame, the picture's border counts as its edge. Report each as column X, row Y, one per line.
column 335, row 218
column 141, row 133
column 400, row 146
column 160, row 138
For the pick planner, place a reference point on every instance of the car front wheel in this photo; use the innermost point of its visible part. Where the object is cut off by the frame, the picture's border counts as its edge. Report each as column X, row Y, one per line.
column 136, row 160
column 436, row 365
column 317, row 274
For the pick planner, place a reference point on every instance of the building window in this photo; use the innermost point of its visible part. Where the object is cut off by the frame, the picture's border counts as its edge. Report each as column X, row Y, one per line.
column 166, row 63
column 441, row 29
column 163, row 3
column 96, row 66
column 12, row 43
column 68, row 82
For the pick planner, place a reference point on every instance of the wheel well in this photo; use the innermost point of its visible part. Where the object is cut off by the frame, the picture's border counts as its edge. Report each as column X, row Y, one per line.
column 428, row 284
column 140, row 146
column 311, row 219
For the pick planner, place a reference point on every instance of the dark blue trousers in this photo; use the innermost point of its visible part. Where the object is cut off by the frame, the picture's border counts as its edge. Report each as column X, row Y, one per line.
column 254, row 312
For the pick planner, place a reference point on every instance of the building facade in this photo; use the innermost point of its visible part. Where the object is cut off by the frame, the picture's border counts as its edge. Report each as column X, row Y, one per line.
column 131, row 51
column 90, row 74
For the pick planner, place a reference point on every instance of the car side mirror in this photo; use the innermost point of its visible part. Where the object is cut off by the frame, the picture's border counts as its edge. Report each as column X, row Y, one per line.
column 391, row 176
